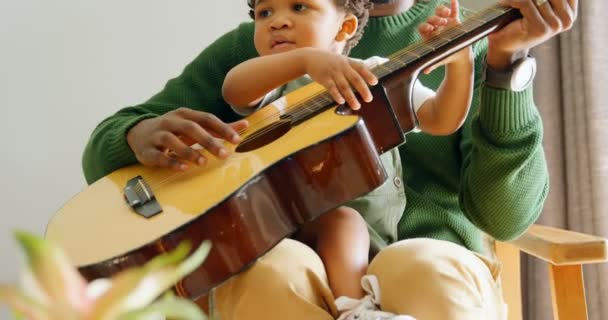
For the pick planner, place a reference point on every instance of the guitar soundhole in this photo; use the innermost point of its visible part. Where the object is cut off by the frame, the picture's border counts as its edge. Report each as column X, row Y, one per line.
column 264, row 136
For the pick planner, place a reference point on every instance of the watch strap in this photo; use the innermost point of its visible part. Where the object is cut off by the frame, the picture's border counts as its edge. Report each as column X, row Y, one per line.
column 507, row 79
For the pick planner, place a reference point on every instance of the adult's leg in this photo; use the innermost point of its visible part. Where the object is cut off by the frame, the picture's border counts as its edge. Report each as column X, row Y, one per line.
column 289, row 282
column 432, row 279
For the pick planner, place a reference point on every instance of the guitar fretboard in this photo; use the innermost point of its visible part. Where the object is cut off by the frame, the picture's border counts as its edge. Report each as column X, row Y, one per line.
column 443, row 41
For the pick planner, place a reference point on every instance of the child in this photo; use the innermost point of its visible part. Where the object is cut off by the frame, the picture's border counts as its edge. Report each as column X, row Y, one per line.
column 307, row 40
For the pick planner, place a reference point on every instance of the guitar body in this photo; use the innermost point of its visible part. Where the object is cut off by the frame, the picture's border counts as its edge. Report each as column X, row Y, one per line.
column 245, row 204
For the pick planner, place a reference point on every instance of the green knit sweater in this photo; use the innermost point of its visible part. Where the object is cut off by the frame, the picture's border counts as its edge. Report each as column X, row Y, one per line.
column 490, row 176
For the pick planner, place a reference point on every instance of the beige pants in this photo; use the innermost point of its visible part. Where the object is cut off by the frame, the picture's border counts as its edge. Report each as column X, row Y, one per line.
column 428, row 279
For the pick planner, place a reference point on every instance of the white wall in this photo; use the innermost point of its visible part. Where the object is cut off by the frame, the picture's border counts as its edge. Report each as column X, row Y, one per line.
column 64, row 66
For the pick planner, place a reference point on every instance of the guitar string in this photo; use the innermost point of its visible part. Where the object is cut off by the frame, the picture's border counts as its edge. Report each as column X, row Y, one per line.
column 397, row 60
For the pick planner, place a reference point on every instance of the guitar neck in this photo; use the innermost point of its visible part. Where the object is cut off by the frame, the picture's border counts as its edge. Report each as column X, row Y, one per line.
column 442, row 45
column 405, row 65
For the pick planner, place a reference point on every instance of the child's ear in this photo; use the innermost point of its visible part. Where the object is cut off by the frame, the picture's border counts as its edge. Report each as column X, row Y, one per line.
column 348, row 29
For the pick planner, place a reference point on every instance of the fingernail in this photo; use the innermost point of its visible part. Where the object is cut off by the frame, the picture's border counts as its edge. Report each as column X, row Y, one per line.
column 223, row 153
column 201, row 161
column 236, row 138
column 183, row 167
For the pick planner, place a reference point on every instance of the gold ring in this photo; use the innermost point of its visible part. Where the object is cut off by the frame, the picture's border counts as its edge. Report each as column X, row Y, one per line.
column 539, row 3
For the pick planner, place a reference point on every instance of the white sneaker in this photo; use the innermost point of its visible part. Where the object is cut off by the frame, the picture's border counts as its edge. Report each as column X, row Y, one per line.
column 367, row 307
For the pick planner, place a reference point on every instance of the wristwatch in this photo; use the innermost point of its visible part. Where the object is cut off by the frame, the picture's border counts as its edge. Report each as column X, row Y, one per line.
column 518, row 77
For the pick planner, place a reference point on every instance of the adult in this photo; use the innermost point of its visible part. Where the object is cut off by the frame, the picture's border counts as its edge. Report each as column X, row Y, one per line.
column 489, row 177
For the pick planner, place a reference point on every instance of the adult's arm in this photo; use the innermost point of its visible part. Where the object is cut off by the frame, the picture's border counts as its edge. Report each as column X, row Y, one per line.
column 505, row 176
column 504, row 173
column 198, row 87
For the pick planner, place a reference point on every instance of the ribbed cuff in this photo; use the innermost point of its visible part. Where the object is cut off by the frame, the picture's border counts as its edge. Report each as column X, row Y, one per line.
column 119, row 151
column 504, row 111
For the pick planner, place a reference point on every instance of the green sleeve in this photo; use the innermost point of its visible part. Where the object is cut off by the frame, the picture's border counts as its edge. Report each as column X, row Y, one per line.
column 505, row 178
column 198, row 87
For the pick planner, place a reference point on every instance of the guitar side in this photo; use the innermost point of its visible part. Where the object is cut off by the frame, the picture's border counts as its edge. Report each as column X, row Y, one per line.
column 245, row 204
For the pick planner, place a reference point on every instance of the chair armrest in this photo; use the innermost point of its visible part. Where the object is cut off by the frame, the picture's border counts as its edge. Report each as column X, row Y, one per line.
column 562, row 247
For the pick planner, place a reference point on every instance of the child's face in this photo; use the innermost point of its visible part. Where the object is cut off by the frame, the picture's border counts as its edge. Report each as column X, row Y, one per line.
column 283, row 25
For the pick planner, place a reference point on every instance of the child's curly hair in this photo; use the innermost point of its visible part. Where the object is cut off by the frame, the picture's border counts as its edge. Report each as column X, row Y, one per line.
column 359, row 8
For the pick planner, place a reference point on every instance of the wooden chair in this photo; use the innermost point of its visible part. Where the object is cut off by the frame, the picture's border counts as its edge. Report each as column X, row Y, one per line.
column 566, row 252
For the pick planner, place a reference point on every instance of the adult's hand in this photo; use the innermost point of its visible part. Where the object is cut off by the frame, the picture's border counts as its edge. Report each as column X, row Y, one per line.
column 165, row 141
column 542, row 20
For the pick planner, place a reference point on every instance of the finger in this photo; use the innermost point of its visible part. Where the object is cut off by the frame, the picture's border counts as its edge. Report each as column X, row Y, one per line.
column 425, row 27
column 346, row 91
column 240, row 125
column 442, row 11
column 335, row 93
column 210, row 122
column 550, row 18
column 357, row 81
column 532, row 16
column 426, row 30
column 436, row 21
column 566, row 11
column 170, row 144
column 207, row 141
column 455, row 9
column 154, row 157
column 367, row 74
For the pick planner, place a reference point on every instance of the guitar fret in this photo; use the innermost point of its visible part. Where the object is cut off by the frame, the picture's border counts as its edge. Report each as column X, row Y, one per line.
column 477, row 19
column 393, row 65
column 440, row 38
column 406, row 56
column 438, row 42
column 492, row 12
column 382, row 71
column 470, row 26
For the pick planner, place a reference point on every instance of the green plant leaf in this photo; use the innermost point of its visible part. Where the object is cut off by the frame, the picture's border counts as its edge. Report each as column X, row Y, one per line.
column 22, row 305
column 54, row 275
column 133, row 289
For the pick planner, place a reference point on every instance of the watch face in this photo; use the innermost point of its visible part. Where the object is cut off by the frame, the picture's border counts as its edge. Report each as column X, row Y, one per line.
column 523, row 74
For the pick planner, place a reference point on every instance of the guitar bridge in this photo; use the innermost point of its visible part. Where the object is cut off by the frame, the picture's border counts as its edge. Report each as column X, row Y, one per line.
column 140, row 198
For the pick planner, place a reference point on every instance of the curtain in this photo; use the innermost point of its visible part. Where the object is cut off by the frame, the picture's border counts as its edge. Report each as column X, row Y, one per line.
column 571, row 90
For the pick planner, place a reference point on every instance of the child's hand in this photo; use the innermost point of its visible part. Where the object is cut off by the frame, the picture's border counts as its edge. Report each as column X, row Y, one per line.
column 445, row 18
column 339, row 75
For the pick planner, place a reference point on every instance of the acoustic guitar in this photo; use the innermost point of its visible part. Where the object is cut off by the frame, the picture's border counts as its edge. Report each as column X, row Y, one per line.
column 301, row 156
